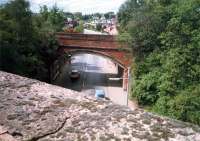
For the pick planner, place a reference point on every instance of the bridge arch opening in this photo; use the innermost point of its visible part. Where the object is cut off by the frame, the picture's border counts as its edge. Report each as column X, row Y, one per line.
column 115, row 56
column 121, row 69
column 100, row 45
column 98, row 53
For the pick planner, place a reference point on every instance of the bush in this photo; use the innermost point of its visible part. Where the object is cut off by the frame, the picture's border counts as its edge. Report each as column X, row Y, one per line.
column 184, row 106
column 165, row 39
column 146, row 90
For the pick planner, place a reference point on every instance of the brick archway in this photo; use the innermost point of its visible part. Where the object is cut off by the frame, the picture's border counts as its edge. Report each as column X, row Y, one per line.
column 106, row 45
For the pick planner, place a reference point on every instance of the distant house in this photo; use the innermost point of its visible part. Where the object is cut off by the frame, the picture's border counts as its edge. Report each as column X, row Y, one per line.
column 111, row 30
column 71, row 23
column 107, row 25
column 111, row 27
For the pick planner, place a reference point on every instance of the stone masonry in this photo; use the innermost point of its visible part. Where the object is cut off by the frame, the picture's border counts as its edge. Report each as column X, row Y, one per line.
column 31, row 110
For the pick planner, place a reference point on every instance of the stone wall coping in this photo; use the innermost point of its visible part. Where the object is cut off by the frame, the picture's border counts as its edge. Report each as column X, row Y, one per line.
column 31, row 110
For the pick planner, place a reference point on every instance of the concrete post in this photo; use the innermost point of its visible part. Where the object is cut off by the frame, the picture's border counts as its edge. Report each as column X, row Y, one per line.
column 128, row 85
column 125, row 79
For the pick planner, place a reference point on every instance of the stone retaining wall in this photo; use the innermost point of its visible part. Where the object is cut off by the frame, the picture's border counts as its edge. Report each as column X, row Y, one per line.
column 31, row 110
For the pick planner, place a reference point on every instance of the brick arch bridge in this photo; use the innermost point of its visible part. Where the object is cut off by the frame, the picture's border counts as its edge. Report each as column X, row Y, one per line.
column 106, row 45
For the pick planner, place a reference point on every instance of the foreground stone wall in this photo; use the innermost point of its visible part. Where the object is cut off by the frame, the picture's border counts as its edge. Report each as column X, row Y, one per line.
column 35, row 111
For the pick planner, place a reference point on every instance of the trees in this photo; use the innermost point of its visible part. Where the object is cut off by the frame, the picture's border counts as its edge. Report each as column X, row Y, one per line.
column 165, row 41
column 99, row 27
column 28, row 47
column 97, row 15
column 109, row 15
column 49, row 20
column 78, row 16
column 79, row 28
column 17, row 38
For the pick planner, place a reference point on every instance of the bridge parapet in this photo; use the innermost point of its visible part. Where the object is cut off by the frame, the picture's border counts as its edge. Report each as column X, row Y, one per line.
column 88, row 37
column 89, row 41
column 32, row 110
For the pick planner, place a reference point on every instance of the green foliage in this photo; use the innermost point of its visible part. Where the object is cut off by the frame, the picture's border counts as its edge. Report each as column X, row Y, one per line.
column 165, row 38
column 78, row 16
column 16, row 31
column 184, row 106
column 79, row 28
column 99, row 27
column 49, row 20
column 109, row 15
column 97, row 15
column 69, row 15
column 146, row 90
column 27, row 46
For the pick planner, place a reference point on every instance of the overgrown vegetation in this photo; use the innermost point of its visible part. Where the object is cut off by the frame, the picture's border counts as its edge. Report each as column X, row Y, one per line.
column 28, row 45
column 165, row 38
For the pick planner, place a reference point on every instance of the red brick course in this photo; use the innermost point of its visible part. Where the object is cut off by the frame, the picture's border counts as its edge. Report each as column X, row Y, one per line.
column 106, row 45
column 101, row 44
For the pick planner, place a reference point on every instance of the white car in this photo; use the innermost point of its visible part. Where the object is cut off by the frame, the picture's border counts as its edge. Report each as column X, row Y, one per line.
column 99, row 93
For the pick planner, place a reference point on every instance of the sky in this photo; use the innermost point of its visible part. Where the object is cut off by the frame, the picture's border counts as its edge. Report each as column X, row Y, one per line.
column 84, row 6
